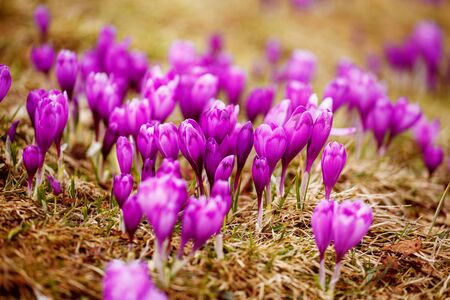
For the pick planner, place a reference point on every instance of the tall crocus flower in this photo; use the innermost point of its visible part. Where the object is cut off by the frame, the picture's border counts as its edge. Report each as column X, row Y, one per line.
column 192, row 144
column 132, row 215
column 167, row 140
column 225, row 168
column 298, row 129
column 333, row 161
column 216, row 121
column 426, row 132
column 5, row 81
column 43, row 57
column 146, row 140
column 338, row 90
column 234, row 84
column 432, row 157
column 122, row 187
column 280, row 113
column 379, row 120
column 33, row 99
column 298, row 92
column 404, row 116
column 42, row 20
column 32, row 160
column 182, row 56
column 212, row 159
column 125, row 152
column 66, row 70
column 129, row 281
column 261, row 178
column 322, row 227
column 243, row 149
column 259, row 102
column 351, row 222
column 270, row 142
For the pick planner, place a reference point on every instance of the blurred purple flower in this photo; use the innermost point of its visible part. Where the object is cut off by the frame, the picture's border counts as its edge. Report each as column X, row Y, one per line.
column 42, row 19
column 132, row 215
column 43, row 57
column 122, row 187
column 5, row 81
column 166, row 135
column 259, row 102
column 66, row 70
column 125, row 152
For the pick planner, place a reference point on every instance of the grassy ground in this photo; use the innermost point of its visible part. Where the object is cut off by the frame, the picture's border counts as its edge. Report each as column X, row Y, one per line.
column 61, row 252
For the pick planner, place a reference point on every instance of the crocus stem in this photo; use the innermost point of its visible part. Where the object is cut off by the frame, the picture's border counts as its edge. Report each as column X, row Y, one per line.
column 218, row 246
column 237, row 180
column 268, row 195
column 30, row 186
column 260, row 215
column 200, row 183
column 327, row 192
column 303, row 189
column 334, row 279
column 60, row 166
column 322, row 274
column 158, row 260
column 283, row 175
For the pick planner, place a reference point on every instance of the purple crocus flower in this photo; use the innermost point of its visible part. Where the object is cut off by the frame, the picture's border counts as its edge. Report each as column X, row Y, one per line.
column 66, row 70
column 273, row 51
column 212, row 160
column 5, row 81
column 379, row 120
column 215, row 43
column 43, row 57
column 338, row 90
column 130, row 281
column 60, row 103
column 433, row 156
column 138, row 113
column 298, row 92
column 192, row 144
column 132, row 215
column 122, row 187
column 225, row 168
column 259, row 102
column 405, row 115
column 323, row 121
column 261, row 178
column 148, row 169
column 118, row 61
column 110, row 138
column 32, row 160
column 54, row 184
column 125, row 152
column 426, row 132
column 42, row 19
column 32, row 102
column 301, row 66
column 222, row 188
column 182, row 56
column 243, row 149
column 139, row 66
column 270, row 142
column 12, row 130
column 89, row 63
column 146, row 140
column 216, row 121
column 105, row 41
column 333, row 161
column 166, row 135
column 169, row 167
column 280, row 113
column 203, row 90
column 234, row 84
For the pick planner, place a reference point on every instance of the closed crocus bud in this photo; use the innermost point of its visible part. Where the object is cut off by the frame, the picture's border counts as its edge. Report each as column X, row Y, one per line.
column 118, row 61
column 162, row 102
column 259, row 102
column 167, row 140
column 66, row 70
column 337, row 90
column 139, row 66
column 433, row 157
column 301, row 66
column 138, row 113
column 216, row 122
column 204, row 89
column 351, row 222
column 428, row 38
column 125, row 152
column 192, row 145
column 109, row 139
column 243, row 148
column 333, row 161
column 270, row 142
column 89, row 63
column 12, row 130
column 404, row 116
column 32, row 160
column 261, row 178
column 60, row 104
column 182, row 56
column 319, row 135
column 222, row 188
column 273, row 51
column 42, row 19
column 169, row 167
column 54, row 184
column 146, row 140
column 213, row 157
column 234, row 84
column 118, row 286
column 280, row 113
column 298, row 92
column 379, row 120
column 132, row 215
column 43, row 57
column 5, row 81
column 225, row 168
column 106, row 40
column 426, row 132
column 32, row 101
column 161, row 199
column 122, row 187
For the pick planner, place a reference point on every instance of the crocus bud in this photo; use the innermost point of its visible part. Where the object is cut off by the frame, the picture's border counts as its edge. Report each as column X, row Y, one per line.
column 337, row 90
column 426, row 132
column 43, row 57
column 301, row 66
column 12, row 130
column 215, row 43
column 243, row 148
column 433, row 157
column 42, row 19
column 212, row 159
column 106, row 40
column 138, row 113
column 169, row 167
column 132, row 215
column 5, row 81
column 404, row 116
column 270, row 142
column 319, row 135
column 110, row 138
column 322, row 225
column 379, row 120
column 216, row 122
column 60, row 104
column 351, row 222
column 259, row 102
column 146, row 140
column 125, row 152
column 167, row 140
column 32, row 101
column 148, row 169
column 273, row 51
column 55, row 186
column 280, row 113
column 298, row 92
column 261, row 177
column 118, row 286
column 118, row 61
column 32, row 160
column 204, row 89
column 66, row 70
column 222, row 188
column 122, row 187
column 333, row 161
column 89, row 63
column 182, row 56
column 234, row 84
column 225, row 168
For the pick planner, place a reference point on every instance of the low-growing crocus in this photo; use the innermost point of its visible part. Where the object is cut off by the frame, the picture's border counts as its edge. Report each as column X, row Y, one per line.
column 125, row 152
column 5, row 81
column 270, row 142
column 338, row 90
column 32, row 160
column 298, row 92
column 132, row 215
column 122, row 187
column 182, row 56
column 12, row 131
column 225, row 168
column 204, row 89
column 130, row 281
column 333, row 162
column 43, row 57
column 146, row 140
column 234, row 84
column 261, row 178
column 432, row 157
column 33, row 99
column 167, row 140
column 379, row 121
column 42, row 19
column 216, row 122
column 426, row 132
column 280, row 113
column 54, row 185
column 222, row 188
column 138, row 113
column 243, row 148
column 192, row 144
column 169, row 167
column 139, row 66
column 259, row 102
column 212, row 159
column 118, row 61
column 404, row 116
column 106, row 40
column 66, row 70
column 301, row 66
column 322, row 227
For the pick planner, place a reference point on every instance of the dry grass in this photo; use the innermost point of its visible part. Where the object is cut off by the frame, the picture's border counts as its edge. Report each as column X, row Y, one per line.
column 61, row 252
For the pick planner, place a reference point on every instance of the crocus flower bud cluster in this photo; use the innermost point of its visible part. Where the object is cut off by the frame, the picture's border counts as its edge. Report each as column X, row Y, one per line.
column 426, row 133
